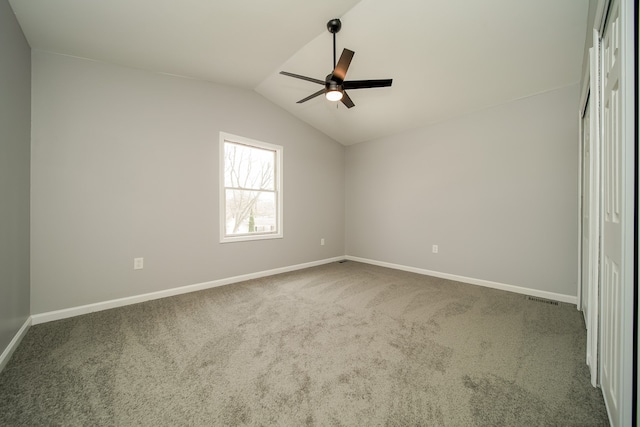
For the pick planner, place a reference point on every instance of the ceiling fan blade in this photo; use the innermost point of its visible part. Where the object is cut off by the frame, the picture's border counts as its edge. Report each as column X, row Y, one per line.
column 365, row 84
column 298, row 76
column 320, row 92
column 346, row 100
column 340, row 71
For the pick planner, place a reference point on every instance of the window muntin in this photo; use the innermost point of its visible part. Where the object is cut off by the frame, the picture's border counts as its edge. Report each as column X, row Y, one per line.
column 251, row 189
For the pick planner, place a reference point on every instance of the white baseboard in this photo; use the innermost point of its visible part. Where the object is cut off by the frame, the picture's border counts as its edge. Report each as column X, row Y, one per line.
column 50, row 316
column 486, row 283
column 8, row 352
column 120, row 302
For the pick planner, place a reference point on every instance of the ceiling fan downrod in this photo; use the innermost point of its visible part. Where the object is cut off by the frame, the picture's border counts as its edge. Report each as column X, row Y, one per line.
column 334, row 26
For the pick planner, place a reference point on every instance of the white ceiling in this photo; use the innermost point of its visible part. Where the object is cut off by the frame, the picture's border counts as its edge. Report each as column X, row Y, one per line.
column 446, row 58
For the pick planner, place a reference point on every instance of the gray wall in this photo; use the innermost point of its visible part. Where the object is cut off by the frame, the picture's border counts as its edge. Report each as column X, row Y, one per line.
column 15, row 125
column 496, row 190
column 125, row 164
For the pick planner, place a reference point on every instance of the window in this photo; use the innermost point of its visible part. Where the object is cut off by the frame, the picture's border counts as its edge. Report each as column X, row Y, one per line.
column 250, row 189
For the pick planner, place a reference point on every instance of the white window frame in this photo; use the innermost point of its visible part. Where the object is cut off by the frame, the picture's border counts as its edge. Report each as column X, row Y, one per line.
column 278, row 180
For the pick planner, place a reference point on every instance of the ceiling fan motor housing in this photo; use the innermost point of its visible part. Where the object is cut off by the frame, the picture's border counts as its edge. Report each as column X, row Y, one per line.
column 332, row 82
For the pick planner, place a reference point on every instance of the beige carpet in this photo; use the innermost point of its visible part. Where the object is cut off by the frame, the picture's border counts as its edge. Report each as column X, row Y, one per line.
column 344, row 344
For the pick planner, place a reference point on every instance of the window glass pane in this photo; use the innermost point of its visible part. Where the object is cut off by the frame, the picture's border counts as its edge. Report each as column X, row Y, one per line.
column 250, row 189
column 250, row 212
column 249, row 167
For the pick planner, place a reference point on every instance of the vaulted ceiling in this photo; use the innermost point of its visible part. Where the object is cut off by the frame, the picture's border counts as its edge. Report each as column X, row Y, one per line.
column 446, row 58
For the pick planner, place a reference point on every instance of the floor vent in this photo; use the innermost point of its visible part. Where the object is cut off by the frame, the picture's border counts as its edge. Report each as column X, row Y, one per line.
column 542, row 300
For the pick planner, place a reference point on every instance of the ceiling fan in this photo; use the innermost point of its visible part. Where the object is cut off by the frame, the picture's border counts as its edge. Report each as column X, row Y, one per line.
column 335, row 83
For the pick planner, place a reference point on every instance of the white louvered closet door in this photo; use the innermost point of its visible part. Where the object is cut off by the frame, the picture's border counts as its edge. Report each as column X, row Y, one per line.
column 612, row 292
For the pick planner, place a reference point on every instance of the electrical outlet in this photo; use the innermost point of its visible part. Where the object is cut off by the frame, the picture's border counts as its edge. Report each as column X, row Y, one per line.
column 138, row 263
column 434, row 249
column 322, row 242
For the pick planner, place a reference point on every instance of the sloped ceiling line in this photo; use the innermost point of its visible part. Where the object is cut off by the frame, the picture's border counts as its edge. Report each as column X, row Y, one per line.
column 445, row 58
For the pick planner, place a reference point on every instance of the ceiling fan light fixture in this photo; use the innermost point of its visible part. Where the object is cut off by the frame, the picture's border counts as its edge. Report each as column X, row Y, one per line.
column 334, row 95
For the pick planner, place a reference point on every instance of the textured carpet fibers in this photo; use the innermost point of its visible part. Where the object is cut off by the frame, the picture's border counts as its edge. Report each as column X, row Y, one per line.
column 340, row 344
